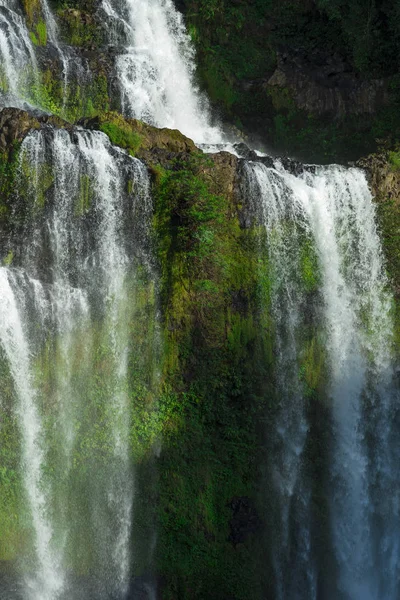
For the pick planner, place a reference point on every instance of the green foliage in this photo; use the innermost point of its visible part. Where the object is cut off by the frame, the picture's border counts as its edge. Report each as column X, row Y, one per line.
column 74, row 101
column 234, row 69
column 120, row 133
column 394, row 159
column 39, row 36
column 214, row 381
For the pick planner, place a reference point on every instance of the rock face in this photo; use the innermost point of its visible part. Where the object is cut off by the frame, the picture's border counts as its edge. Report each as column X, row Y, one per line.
column 383, row 171
column 384, row 176
column 15, row 124
column 325, row 84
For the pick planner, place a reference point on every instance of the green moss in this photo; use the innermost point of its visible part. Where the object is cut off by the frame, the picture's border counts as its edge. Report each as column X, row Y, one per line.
column 34, row 183
column 394, row 159
column 33, row 11
column 120, row 133
column 48, row 93
column 310, row 271
column 8, row 259
column 282, row 98
column 214, row 378
column 388, row 212
column 313, row 367
column 79, row 28
column 12, row 534
column 39, row 36
column 86, row 193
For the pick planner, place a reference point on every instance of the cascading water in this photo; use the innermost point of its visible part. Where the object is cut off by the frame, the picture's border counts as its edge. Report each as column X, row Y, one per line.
column 66, row 325
column 73, row 67
column 68, row 329
column 19, row 73
column 18, row 69
column 332, row 319
column 156, row 68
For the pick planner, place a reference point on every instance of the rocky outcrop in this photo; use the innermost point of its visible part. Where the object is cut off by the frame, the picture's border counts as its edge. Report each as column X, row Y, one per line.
column 383, row 175
column 15, row 124
column 322, row 84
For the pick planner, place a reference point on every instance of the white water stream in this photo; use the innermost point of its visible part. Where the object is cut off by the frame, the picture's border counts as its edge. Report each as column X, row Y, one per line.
column 156, row 70
column 332, row 209
column 85, row 297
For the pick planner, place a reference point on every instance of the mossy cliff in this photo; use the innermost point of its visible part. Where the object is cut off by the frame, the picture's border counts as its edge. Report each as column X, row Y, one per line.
column 383, row 171
column 214, row 380
column 316, row 80
column 215, row 391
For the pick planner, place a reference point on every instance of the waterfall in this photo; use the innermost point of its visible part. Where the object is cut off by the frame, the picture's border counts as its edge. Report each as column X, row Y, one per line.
column 78, row 337
column 156, row 68
column 20, row 83
column 321, row 225
column 67, row 320
column 18, row 70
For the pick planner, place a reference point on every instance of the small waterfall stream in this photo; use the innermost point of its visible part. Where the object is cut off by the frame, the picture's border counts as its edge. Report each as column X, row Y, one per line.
column 156, row 68
column 18, row 66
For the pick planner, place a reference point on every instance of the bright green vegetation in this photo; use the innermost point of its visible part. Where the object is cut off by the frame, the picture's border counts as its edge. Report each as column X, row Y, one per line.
column 39, row 36
column 394, row 159
column 120, row 132
column 79, row 101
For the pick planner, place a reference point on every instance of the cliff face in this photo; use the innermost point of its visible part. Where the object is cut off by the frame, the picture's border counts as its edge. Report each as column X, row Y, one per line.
column 384, row 178
column 215, row 394
column 216, row 355
column 315, row 79
column 213, row 398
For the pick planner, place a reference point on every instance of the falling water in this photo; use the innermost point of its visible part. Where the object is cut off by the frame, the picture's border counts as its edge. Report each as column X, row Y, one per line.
column 325, row 216
column 156, row 68
column 18, row 67
column 66, row 332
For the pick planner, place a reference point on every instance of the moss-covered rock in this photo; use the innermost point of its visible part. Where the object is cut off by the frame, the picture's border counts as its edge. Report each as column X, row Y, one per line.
column 80, row 28
column 214, row 383
column 384, row 178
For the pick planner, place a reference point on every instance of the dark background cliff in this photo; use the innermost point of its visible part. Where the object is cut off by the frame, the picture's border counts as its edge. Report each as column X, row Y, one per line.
column 315, row 78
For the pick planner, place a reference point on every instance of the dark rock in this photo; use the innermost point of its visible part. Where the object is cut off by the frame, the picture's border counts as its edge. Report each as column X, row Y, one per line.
column 245, row 520
column 324, row 84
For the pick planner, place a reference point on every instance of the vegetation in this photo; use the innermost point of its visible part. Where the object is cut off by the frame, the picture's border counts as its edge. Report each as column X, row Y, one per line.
column 120, row 132
column 238, row 42
column 209, row 405
column 215, row 374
